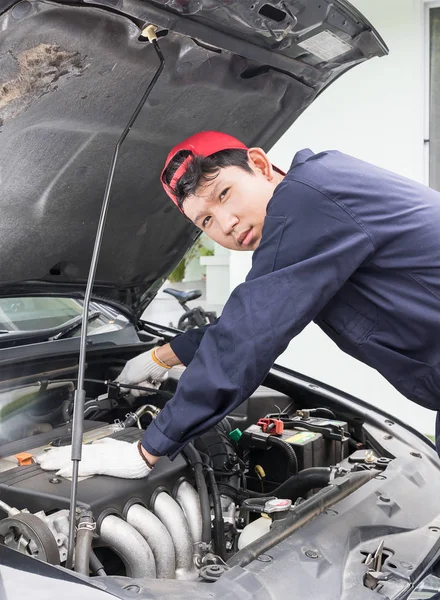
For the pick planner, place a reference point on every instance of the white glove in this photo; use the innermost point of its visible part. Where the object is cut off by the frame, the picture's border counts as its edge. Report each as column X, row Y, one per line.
column 145, row 370
column 104, row 457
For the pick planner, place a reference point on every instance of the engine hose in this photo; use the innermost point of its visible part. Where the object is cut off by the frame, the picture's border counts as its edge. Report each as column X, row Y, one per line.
column 288, row 451
column 6, row 508
column 219, row 524
column 96, row 566
column 301, row 515
column 195, row 461
column 83, row 547
column 322, row 411
column 297, row 485
column 217, row 445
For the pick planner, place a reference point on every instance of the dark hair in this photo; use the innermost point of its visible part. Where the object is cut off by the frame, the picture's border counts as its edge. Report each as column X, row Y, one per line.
column 202, row 168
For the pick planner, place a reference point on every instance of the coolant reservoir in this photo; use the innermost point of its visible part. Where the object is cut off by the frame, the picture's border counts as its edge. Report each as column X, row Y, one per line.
column 253, row 531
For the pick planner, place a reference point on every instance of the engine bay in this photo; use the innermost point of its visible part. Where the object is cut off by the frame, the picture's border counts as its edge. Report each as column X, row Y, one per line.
column 220, row 495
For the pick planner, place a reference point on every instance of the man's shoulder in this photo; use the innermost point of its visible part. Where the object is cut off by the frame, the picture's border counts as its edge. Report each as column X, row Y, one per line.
column 306, row 156
column 302, row 183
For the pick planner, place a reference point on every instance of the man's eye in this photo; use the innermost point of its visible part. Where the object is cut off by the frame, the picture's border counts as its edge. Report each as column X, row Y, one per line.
column 205, row 221
column 223, row 194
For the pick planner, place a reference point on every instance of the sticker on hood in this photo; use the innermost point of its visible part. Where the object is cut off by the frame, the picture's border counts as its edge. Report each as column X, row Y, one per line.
column 325, row 45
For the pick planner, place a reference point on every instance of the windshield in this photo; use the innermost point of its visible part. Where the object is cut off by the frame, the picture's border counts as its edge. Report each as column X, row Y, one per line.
column 37, row 313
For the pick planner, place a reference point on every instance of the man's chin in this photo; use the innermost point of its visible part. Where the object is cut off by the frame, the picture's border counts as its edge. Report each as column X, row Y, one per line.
column 255, row 244
column 249, row 248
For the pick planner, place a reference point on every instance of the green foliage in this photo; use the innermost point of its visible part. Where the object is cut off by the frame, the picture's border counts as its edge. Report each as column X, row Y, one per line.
column 206, row 251
column 179, row 272
column 197, row 250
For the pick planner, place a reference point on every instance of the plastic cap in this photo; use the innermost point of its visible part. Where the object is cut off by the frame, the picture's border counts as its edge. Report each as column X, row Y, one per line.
column 235, row 435
column 277, row 505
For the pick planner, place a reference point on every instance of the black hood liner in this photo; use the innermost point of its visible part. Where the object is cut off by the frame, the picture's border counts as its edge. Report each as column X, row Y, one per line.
column 70, row 77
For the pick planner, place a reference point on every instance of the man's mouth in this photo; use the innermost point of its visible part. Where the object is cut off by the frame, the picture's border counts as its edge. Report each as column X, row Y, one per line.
column 246, row 237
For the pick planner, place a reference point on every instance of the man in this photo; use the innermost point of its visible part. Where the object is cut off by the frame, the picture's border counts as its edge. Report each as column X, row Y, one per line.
column 337, row 241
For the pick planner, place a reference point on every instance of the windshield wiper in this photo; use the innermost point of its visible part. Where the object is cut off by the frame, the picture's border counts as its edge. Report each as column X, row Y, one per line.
column 77, row 325
column 51, row 333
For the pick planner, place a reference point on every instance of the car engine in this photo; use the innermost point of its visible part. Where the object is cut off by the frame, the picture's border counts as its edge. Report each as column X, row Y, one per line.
column 191, row 514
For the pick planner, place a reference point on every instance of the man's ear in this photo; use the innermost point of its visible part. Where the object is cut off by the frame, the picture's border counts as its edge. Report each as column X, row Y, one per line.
column 260, row 163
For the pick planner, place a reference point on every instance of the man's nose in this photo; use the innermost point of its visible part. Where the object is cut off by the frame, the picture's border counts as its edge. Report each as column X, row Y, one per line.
column 228, row 222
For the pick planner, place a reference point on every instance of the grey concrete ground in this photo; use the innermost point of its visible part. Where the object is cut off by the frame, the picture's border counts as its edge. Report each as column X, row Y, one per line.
column 165, row 310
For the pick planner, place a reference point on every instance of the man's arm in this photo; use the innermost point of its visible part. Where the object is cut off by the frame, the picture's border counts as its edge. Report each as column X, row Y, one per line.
column 308, row 251
column 185, row 345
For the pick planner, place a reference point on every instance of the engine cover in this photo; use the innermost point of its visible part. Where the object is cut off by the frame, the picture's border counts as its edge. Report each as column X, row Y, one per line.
column 32, row 488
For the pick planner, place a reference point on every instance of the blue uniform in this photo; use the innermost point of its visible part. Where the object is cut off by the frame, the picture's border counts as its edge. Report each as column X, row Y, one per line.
column 350, row 246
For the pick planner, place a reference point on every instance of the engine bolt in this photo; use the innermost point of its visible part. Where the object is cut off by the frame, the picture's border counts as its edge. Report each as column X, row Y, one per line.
column 311, row 554
column 264, row 558
column 384, row 498
column 132, row 588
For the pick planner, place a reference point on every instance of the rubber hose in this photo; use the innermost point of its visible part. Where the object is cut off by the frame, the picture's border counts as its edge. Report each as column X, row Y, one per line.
column 83, row 547
column 301, row 515
column 219, row 524
column 195, row 461
column 96, row 565
column 6, row 508
column 221, row 456
column 298, row 485
column 323, row 411
column 288, row 451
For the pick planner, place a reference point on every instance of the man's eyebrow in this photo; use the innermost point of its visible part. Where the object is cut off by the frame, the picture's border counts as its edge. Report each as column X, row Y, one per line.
column 210, row 198
column 214, row 192
column 199, row 216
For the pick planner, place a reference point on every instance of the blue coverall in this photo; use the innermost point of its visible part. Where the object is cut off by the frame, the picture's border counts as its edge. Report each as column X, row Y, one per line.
column 346, row 244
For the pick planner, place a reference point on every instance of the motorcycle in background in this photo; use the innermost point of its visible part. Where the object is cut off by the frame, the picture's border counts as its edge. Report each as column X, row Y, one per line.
column 192, row 317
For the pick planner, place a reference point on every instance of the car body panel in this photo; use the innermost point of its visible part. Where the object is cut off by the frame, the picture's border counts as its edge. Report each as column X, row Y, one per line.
column 70, row 78
column 325, row 558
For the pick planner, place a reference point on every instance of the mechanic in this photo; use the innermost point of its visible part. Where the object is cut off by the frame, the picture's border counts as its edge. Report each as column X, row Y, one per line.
column 337, row 241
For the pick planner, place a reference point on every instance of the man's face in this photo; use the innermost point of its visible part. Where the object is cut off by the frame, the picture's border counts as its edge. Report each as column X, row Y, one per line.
column 231, row 208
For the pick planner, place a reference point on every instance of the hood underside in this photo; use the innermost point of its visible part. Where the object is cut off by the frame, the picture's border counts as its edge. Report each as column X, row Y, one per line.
column 70, row 77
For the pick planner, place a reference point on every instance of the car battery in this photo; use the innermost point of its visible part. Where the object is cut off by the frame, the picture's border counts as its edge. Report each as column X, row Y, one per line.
column 268, row 465
column 335, row 450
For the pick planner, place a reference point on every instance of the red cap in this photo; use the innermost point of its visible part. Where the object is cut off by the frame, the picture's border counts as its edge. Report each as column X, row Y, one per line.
column 204, row 144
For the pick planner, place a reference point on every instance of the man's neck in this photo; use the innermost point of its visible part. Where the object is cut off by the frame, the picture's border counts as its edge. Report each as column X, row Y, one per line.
column 278, row 177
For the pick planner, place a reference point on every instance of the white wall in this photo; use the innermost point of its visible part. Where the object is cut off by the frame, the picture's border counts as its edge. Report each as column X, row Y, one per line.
column 374, row 112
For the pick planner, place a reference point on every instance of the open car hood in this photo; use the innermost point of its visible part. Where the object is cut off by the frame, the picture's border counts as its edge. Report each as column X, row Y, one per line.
column 71, row 74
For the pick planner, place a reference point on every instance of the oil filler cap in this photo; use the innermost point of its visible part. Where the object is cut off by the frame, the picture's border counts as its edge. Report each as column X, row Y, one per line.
column 24, row 459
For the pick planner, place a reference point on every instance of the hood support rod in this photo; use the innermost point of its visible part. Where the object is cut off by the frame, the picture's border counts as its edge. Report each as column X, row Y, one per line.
column 80, row 393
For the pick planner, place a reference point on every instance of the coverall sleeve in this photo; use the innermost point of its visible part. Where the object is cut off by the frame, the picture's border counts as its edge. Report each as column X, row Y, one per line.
column 310, row 246
column 186, row 344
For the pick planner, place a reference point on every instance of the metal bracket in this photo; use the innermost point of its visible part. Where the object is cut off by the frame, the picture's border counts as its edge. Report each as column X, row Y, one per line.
column 373, row 578
column 375, row 575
